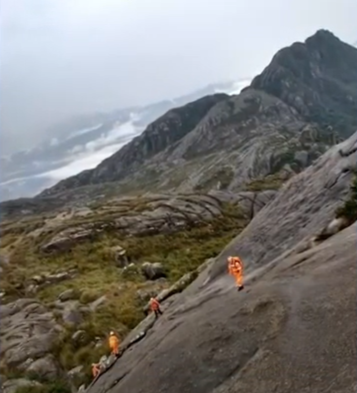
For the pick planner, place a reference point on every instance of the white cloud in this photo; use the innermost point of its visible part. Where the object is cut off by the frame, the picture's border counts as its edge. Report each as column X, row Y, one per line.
column 95, row 151
column 83, row 131
column 236, row 88
column 88, row 161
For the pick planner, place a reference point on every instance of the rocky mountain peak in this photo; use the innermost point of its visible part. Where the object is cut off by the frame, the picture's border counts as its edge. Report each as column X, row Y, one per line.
column 318, row 78
column 323, row 35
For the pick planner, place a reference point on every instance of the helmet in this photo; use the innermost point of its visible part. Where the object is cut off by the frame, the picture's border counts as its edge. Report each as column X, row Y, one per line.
column 230, row 259
column 112, row 333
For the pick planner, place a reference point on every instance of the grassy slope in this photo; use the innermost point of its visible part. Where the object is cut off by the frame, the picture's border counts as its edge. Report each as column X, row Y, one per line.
column 180, row 253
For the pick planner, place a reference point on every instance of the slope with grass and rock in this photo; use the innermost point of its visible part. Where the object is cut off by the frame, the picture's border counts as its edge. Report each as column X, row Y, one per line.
column 263, row 175
column 69, row 278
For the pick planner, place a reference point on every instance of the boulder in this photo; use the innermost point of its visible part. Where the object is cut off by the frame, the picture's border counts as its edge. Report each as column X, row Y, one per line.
column 66, row 239
column 72, row 315
column 153, row 271
column 105, row 361
column 12, row 385
column 38, row 279
column 97, row 303
column 27, row 330
column 46, row 367
column 32, row 289
column 302, row 157
column 120, row 256
column 45, row 279
column 58, row 277
column 76, row 373
column 69, row 294
column 79, row 337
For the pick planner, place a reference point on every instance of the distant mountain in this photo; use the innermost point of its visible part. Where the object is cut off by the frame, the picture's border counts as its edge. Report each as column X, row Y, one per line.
column 304, row 101
column 82, row 142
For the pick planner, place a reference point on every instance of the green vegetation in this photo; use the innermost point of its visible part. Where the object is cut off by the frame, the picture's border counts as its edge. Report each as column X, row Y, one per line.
column 98, row 274
column 270, row 182
column 349, row 208
column 50, row 387
column 287, row 157
column 223, row 177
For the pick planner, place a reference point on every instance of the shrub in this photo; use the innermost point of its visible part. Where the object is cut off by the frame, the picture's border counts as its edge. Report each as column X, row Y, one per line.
column 270, row 182
column 52, row 387
column 223, row 177
column 349, row 208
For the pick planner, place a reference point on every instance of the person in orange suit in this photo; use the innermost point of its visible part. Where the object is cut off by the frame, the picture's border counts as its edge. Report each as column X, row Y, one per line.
column 95, row 369
column 155, row 307
column 235, row 269
column 114, row 343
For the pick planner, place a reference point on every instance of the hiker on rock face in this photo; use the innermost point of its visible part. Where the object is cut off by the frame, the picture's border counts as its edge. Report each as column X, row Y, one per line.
column 155, row 307
column 235, row 269
column 95, row 369
column 114, row 343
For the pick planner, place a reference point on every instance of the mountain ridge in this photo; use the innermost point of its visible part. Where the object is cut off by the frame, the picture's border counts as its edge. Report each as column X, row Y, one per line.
column 310, row 93
column 83, row 142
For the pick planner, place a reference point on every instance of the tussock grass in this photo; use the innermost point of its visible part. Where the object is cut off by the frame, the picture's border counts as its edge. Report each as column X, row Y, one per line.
column 270, row 182
column 97, row 275
column 349, row 208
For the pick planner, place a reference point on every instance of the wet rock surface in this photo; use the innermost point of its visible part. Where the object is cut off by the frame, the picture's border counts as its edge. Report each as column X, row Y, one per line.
column 268, row 337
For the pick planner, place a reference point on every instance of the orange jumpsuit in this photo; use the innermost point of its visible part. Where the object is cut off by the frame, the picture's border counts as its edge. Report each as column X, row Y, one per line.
column 114, row 344
column 235, row 268
column 155, row 307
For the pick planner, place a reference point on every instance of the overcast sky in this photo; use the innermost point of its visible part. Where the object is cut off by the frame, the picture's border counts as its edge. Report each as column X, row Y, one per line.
column 63, row 57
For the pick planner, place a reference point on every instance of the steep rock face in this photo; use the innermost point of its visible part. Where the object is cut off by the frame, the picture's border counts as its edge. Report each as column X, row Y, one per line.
column 305, row 204
column 267, row 338
column 318, row 78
